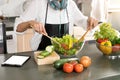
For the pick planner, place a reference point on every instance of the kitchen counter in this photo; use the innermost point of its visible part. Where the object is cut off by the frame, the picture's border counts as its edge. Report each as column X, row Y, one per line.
column 101, row 69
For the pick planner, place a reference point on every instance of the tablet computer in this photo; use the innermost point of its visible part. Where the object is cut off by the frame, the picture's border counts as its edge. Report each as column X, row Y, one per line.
column 15, row 60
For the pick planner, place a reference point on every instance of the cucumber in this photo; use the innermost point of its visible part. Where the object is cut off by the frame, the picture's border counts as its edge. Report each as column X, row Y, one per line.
column 45, row 53
column 50, row 48
column 59, row 63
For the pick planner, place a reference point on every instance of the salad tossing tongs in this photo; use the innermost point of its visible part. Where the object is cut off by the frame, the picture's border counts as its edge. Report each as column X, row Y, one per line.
column 51, row 39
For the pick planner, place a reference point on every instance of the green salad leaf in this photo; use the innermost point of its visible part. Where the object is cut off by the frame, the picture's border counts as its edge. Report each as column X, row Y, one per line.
column 106, row 31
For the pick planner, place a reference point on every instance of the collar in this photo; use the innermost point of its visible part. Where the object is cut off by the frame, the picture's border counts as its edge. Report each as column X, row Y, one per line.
column 58, row 5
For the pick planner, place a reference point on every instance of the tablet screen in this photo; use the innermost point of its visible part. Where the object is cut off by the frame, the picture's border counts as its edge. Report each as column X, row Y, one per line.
column 16, row 60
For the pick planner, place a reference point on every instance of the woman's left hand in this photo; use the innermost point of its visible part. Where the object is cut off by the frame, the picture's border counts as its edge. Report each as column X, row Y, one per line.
column 92, row 23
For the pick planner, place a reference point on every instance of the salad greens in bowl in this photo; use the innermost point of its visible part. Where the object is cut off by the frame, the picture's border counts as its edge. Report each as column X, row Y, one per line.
column 69, row 46
column 107, row 39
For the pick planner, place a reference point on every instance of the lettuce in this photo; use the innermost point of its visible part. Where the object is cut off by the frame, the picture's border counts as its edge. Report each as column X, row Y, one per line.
column 106, row 31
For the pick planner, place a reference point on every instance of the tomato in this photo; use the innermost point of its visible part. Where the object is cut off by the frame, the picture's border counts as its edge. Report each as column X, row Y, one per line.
column 78, row 68
column 101, row 40
column 67, row 67
column 85, row 61
column 65, row 46
column 116, row 47
column 74, row 62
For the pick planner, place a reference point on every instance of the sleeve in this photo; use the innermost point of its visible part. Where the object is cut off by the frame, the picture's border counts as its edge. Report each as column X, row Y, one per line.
column 30, row 13
column 99, row 10
column 78, row 18
column 35, row 41
column 11, row 9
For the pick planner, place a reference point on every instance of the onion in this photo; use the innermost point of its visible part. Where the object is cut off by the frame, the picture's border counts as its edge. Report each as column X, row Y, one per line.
column 85, row 61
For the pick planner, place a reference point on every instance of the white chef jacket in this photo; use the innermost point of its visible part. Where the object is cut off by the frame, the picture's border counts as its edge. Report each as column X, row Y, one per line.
column 99, row 10
column 11, row 8
column 37, row 11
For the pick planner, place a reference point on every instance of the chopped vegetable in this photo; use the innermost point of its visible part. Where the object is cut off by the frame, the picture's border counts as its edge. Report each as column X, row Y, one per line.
column 50, row 48
column 45, row 53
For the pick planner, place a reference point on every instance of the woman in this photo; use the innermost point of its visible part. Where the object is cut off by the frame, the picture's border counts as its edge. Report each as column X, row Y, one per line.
column 53, row 18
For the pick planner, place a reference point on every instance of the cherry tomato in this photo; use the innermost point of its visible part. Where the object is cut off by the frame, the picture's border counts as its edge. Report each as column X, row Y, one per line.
column 101, row 40
column 65, row 46
column 67, row 67
column 85, row 61
column 78, row 68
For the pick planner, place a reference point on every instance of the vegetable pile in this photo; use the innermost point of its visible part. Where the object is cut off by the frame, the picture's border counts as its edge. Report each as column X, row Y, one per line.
column 108, row 38
column 69, row 65
column 107, row 32
column 69, row 45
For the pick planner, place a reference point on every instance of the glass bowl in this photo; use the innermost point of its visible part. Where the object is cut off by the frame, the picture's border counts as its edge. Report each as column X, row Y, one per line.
column 109, row 51
column 64, row 50
column 69, row 53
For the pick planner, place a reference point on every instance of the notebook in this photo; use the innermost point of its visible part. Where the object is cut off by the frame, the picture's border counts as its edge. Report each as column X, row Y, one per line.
column 15, row 60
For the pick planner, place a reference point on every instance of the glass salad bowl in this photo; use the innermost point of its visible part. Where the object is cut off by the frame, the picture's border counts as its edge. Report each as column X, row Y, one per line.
column 107, row 40
column 69, row 46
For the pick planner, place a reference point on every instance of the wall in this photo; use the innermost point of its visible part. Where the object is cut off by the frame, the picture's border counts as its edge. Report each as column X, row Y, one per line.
column 84, row 6
column 114, row 3
column 114, row 13
column 114, row 18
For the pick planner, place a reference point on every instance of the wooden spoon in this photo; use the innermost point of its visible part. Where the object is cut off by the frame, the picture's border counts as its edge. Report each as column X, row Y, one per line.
column 82, row 38
column 51, row 39
column 60, row 45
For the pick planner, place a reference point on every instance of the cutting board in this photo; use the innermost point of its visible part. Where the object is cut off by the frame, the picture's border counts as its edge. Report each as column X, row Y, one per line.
column 47, row 60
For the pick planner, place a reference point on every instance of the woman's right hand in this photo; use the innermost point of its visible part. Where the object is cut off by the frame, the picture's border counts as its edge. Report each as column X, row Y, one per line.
column 38, row 27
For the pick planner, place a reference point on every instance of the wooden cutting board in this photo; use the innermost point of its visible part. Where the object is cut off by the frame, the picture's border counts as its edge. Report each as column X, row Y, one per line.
column 47, row 60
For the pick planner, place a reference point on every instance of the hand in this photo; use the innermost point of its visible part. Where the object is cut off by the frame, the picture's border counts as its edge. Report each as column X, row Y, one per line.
column 38, row 27
column 92, row 23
